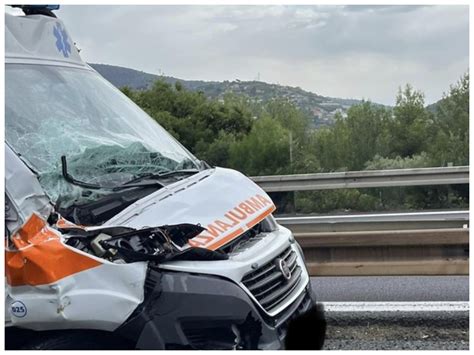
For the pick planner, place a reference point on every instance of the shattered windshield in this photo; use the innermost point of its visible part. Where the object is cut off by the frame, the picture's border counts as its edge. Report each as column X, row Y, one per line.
column 53, row 111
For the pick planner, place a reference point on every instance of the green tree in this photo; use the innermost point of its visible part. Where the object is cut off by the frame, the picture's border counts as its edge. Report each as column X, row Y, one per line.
column 192, row 118
column 264, row 151
column 257, row 137
column 332, row 145
column 410, row 124
column 289, row 117
column 367, row 133
column 450, row 143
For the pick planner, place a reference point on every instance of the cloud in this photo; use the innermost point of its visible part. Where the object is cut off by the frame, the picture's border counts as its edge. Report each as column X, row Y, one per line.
column 345, row 51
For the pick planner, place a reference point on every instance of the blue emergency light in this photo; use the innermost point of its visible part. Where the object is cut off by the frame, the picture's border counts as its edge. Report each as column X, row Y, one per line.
column 47, row 7
column 38, row 9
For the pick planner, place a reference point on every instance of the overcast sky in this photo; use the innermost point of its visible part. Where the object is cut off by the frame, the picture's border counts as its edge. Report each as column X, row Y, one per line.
column 341, row 51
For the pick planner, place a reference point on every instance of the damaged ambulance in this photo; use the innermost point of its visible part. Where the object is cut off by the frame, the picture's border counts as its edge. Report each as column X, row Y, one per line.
column 117, row 237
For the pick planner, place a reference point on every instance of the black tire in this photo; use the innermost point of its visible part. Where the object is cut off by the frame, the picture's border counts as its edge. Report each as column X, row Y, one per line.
column 77, row 340
column 308, row 331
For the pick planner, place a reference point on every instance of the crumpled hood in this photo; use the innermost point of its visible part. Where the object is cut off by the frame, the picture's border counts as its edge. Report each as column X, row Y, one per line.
column 224, row 201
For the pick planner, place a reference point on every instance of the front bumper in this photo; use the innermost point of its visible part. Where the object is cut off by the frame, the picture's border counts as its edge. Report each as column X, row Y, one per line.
column 192, row 311
column 250, row 257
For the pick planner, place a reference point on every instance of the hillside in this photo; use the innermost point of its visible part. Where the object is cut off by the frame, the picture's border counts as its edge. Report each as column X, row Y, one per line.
column 320, row 108
column 434, row 106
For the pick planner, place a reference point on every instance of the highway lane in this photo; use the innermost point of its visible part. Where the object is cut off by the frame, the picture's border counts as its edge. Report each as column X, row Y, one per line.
column 390, row 330
column 415, row 325
column 391, row 288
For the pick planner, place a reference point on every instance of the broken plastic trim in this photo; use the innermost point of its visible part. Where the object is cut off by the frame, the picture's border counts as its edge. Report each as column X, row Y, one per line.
column 126, row 245
column 223, row 334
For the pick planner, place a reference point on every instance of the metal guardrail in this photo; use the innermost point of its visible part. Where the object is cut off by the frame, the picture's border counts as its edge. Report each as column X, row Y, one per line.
column 419, row 243
column 365, row 179
column 376, row 222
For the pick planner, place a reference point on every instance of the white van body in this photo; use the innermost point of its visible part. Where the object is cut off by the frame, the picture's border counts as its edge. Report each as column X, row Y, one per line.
column 54, row 283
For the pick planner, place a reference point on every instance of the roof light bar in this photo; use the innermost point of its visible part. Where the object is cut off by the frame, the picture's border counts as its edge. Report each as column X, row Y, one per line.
column 46, row 10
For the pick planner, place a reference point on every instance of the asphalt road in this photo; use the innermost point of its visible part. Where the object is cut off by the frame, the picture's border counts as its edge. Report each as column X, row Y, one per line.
column 396, row 330
column 391, row 288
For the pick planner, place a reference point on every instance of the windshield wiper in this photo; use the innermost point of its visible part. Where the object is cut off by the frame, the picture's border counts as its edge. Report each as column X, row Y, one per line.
column 179, row 172
column 69, row 178
column 156, row 176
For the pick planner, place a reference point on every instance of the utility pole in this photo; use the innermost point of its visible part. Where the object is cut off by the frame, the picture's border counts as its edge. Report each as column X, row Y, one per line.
column 290, row 138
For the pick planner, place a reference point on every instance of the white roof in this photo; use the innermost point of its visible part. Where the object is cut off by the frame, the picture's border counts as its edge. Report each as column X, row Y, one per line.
column 38, row 37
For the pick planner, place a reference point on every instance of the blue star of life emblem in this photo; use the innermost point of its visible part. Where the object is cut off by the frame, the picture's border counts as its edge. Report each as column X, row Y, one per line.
column 62, row 41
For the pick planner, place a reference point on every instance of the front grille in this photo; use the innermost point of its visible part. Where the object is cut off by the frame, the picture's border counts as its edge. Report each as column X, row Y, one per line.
column 268, row 285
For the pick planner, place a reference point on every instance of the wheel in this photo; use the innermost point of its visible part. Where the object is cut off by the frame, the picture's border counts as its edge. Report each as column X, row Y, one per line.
column 308, row 331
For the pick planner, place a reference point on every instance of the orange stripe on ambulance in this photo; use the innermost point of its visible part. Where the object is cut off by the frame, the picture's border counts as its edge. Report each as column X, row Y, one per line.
column 231, row 218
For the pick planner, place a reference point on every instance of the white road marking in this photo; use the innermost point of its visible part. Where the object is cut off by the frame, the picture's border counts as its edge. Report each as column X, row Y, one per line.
column 396, row 306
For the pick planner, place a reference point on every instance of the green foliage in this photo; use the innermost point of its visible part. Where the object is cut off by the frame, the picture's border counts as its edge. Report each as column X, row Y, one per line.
column 285, row 113
column 343, row 200
column 216, row 153
column 355, row 139
column 450, row 142
column 274, row 137
column 331, row 146
column 201, row 125
column 419, row 197
column 410, row 125
column 416, row 161
column 368, row 133
column 264, row 151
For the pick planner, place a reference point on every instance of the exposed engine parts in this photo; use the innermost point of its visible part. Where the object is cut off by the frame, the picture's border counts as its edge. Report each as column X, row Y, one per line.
column 126, row 245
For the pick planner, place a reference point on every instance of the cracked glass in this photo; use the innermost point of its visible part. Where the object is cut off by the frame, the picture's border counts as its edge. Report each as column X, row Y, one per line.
column 53, row 111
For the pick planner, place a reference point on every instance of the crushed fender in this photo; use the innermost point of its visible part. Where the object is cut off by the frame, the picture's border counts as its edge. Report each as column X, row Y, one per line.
column 39, row 256
column 42, row 254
